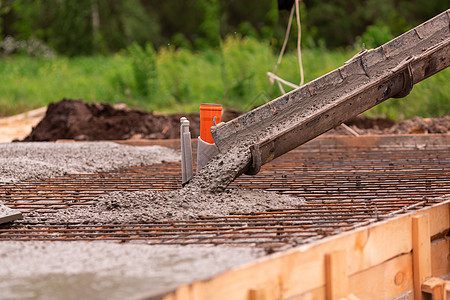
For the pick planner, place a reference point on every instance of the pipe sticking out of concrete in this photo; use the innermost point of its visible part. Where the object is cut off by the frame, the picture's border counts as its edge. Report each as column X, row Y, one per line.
column 186, row 152
column 210, row 114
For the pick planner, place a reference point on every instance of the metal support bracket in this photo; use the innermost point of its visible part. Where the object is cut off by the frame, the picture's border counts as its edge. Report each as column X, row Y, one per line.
column 408, row 81
column 256, row 161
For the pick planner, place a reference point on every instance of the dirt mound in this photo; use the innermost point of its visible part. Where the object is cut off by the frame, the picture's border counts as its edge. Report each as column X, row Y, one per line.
column 75, row 119
column 417, row 125
column 363, row 122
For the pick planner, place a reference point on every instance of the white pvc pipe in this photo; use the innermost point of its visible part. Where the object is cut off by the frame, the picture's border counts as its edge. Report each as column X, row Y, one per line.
column 186, row 152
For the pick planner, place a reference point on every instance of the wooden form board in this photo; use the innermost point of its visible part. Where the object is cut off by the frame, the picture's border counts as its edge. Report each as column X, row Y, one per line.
column 379, row 264
column 433, row 140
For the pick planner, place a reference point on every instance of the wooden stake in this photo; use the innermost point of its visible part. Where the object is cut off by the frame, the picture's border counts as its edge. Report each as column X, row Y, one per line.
column 421, row 246
column 336, row 275
column 436, row 287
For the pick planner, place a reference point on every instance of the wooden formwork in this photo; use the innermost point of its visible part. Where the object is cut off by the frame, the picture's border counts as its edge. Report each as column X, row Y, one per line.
column 405, row 257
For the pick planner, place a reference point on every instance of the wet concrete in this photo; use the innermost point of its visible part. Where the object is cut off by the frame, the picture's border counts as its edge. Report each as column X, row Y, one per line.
column 92, row 270
column 154, row 206
column 24, row 161
column 99, row 270
column 205, row 196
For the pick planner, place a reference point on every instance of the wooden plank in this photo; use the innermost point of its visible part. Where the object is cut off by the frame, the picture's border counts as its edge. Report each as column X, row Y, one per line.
column 364, row 141
column 350, row 297
column 421, row 252
column 439, row 292
column 447, row 288
column 436, row 287
column 168, row 297
column 429, row 284
column 432, row 140
column 439, row 220
column 302, row 269
column 336, row 275
column 440, row 257
column 385, row 281
column 268, row 291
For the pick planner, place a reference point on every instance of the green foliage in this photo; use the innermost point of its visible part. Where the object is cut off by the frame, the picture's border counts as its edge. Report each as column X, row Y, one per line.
column 336, row 22
column 81, row 27
column 144, row 68
column 71, row 30
column 34, row 82
column 179, row 80
column 246, row 62
column 87, row 27
column 375, row 36
column 5, row 8
column 210, row 26
column 429, row 98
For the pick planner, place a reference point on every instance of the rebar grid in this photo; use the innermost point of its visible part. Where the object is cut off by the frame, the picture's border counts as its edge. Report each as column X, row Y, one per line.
column 344, row 189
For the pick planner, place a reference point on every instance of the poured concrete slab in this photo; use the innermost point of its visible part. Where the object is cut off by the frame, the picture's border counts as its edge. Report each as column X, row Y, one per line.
column 36, row 160
column 102, row 270
column 8, row 214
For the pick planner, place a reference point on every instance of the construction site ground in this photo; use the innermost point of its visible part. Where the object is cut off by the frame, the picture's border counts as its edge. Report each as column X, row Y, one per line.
column 364, row 215
column 347, row 183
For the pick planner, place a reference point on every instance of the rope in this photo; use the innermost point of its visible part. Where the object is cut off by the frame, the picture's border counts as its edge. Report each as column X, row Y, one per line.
column 278, row 79
column 272, row 75
column 286, row 37
column 299, row 39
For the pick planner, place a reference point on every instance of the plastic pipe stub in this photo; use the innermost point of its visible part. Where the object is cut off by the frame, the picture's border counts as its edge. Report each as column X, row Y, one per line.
column 209, row 113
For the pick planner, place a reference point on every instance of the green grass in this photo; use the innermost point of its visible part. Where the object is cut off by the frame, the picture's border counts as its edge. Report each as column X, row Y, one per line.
column 29, row 83
column 235, row 77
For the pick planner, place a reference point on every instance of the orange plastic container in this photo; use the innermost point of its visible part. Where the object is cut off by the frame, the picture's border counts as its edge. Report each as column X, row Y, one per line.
column 207, row 114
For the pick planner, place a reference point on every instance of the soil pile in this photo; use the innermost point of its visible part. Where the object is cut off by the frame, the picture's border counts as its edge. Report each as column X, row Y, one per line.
column 77, row 120
column 363, row 122
column 417, row 125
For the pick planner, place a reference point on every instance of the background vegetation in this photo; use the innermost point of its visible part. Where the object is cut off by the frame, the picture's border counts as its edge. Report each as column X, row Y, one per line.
column 173, row 55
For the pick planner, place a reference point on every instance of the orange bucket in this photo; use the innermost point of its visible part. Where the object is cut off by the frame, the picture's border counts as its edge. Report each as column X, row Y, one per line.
column 207, row 114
